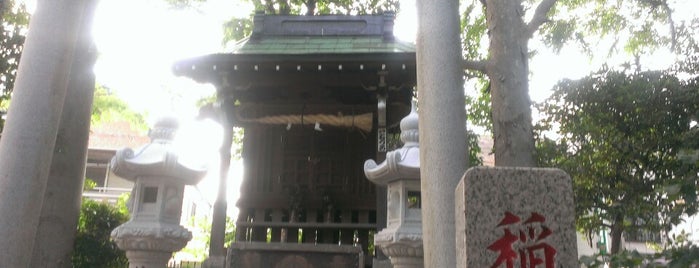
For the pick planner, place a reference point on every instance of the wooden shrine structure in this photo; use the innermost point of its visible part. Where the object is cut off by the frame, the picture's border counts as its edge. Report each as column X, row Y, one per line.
column 316, row 96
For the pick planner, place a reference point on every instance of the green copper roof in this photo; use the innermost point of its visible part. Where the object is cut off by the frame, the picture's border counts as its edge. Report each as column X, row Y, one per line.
column 321, row 45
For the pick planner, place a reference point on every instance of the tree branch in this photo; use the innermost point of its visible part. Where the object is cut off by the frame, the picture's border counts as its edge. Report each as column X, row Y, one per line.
column 540, row 16
column 474, row 65
column 673, row 31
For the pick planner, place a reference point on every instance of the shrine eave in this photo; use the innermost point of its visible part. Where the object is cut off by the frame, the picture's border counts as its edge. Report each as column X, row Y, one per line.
column 213, row 67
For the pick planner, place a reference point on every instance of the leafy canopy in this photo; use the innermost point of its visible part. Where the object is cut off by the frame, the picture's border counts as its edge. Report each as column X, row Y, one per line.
column 108, row 107
column 632, row 29
column 620, row 137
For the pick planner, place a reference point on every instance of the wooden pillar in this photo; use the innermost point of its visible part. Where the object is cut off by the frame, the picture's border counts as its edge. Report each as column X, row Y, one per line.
column 259, row 233
column 276, row 231
column 327, row 235
column 218, row 221
column 347, row 236
column 364, row 233
column 381, row 191
column 310, row 234
column 292, row 233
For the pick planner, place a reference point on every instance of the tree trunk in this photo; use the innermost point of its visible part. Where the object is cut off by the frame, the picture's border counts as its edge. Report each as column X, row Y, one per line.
column 508, row 70
column 27, row 145
column 616, row 231
column 61, row 200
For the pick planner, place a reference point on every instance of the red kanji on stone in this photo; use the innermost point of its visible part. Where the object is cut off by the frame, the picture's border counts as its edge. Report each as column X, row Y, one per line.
column 531, row 232
column 504, row 246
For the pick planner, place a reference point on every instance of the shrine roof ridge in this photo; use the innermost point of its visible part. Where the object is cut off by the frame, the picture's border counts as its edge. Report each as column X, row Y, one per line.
column 323, row 25
column 322, row 34
column 299, row 45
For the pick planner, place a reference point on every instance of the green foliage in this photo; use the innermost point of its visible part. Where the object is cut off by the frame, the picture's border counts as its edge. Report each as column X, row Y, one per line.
column 474, row 149
column 199, row 246
column 184, row 3
column 478, row 108
column 473, row 31
column 622, row 259
column 206, row 101
column 13, row 27
column 619, row 137
column 93, row 247
column 637, row 27
column 679, row 253
column 89, row 184
column 108, row 107
column 236, row 29
column 474, row 28
column 688, row 48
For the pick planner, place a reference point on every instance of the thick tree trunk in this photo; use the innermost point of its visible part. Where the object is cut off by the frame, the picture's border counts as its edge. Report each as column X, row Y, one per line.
column 508, row 71
column 61, row 206
column 27, row 145
column 615, row 232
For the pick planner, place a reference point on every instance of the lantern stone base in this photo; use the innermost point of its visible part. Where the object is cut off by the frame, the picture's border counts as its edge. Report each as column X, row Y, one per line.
column 148, row 259
column 215, row 262
column 404, row 249
column 150, row 244
column 147, row 236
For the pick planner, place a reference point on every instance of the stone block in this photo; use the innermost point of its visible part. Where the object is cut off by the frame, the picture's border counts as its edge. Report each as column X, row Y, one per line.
column 508, row 216
column 258, row 254
column 376, row 263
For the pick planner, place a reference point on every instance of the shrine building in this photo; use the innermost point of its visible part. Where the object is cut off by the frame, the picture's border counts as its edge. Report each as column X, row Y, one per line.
column 316, row 96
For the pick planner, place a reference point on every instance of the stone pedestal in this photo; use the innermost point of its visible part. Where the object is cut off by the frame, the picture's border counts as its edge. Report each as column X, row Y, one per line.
column 138, row 259
column 283, row 255
column 401, row 240
column 154, row 232
column 515, row 216
column 214, row 262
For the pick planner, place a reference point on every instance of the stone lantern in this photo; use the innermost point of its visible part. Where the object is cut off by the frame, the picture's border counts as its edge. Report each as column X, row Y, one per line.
column 401, row 240
column 153, row 233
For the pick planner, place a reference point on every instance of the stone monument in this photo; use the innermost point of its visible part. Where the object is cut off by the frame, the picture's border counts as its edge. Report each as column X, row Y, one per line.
column 401, row 240
column 515, row 217
column 153, row 233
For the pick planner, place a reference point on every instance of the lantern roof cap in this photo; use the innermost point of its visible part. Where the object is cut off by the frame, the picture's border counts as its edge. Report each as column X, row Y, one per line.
column 156, row 159
column 402, row 163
